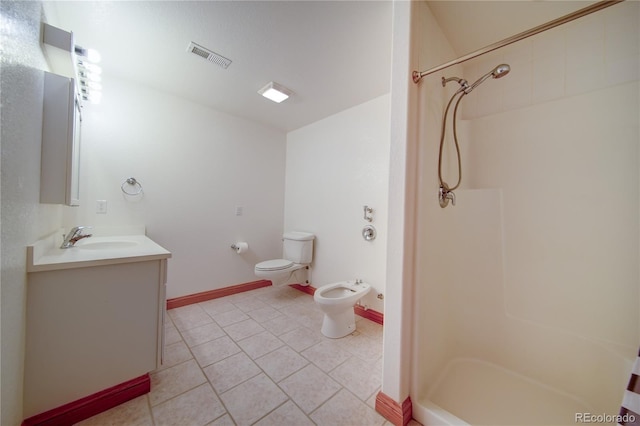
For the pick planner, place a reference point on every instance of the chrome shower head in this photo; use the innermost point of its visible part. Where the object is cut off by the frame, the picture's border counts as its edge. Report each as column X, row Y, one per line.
column 498, row 72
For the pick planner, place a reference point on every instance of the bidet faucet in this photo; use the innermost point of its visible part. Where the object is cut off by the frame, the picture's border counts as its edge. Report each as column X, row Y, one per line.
column 74, row 235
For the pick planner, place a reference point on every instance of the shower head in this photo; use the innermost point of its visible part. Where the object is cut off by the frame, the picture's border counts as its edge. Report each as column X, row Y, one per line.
column 498, row 72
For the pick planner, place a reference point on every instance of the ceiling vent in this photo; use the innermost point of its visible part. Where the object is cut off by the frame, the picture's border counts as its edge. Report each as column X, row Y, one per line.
column 209, row 55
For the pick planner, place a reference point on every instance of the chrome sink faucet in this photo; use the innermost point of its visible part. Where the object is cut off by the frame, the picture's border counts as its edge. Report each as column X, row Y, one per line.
column 74, row 235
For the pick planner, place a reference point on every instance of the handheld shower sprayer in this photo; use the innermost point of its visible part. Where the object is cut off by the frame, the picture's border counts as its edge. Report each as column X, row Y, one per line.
column 498, row 72
column 446, row 192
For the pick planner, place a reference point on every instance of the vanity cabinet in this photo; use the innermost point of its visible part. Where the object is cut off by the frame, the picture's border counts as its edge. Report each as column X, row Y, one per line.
column 61, row 131
column 91, row 326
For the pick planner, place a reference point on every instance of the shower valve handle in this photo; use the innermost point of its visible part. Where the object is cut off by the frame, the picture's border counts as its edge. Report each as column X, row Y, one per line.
column 451, row 196
column 444, row 195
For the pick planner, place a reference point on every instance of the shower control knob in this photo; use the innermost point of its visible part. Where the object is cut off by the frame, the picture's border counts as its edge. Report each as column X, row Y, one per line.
column 369, row 233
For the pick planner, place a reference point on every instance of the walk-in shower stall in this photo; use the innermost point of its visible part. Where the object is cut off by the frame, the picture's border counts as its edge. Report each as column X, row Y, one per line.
column 527, row 290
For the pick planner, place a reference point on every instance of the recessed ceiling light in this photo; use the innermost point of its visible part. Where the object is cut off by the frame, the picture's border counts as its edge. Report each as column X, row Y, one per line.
column 275, row 92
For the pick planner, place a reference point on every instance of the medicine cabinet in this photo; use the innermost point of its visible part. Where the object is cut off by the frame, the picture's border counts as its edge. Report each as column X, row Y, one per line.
column 61, row 131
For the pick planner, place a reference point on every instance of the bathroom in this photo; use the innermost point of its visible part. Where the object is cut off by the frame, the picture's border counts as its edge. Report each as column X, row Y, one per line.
column 178, row 184
column 211, row 179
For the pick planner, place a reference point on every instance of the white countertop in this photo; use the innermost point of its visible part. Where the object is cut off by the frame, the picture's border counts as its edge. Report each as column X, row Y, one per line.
column 45, row 254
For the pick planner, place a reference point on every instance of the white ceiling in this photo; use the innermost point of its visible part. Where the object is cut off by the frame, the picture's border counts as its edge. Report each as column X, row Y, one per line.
column 332, row 55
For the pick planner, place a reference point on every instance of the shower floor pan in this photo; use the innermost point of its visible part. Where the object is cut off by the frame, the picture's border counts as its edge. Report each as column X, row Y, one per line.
column 481, row 393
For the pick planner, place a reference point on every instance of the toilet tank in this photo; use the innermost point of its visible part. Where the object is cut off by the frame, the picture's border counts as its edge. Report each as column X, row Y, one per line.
column 298, row 246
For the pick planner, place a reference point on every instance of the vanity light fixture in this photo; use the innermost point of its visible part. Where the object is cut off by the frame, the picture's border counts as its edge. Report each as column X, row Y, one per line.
column 92, row 55
column 89, row 73
column 275, row 92
column 72, row 61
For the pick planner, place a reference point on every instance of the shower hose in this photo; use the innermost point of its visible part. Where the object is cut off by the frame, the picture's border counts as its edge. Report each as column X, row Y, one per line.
column 455, row 140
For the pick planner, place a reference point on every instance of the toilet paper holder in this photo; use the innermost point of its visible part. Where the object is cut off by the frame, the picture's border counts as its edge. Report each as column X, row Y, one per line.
column 239, row 247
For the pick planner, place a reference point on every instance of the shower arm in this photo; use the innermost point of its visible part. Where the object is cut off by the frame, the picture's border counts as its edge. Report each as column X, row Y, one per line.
column 461, row 81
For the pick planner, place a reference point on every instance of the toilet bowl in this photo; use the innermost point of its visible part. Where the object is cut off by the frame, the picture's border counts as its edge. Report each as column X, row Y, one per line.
column 337, row 301
column 276, row 270
column 297, row 252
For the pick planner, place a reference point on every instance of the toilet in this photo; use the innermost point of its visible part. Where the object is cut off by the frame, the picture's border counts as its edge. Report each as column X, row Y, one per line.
column 297, row 252
column 337, row 301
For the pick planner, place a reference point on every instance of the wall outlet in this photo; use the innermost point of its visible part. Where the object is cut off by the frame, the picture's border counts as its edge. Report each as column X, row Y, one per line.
column 238, row 210
column 101, row 206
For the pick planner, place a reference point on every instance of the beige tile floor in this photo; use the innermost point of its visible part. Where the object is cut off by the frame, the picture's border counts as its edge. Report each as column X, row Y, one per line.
column 258, row 358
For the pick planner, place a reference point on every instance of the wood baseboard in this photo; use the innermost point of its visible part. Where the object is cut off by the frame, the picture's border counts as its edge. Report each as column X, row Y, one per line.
column 214, row 294
column 396, row 413
column 304, row 288
column 91, row 405
column 370, row 314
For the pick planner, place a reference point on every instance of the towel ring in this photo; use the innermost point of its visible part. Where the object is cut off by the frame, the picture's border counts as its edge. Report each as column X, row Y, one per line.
column 133, row 182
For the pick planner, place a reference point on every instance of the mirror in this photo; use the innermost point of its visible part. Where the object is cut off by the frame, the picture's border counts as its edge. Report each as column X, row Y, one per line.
column 74, row 184
column 60, row 159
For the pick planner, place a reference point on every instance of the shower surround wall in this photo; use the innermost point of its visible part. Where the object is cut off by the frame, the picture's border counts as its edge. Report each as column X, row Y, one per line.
column 536, row 267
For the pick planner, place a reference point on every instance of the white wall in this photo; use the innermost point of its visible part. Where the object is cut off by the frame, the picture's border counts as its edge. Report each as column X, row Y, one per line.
column 398, row 326
column 541, row 251
column 24, row 220
column 334, row 167
column 196, row 166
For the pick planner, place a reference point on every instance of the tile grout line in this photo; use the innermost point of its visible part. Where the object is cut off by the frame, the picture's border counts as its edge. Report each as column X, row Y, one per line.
column 153, row 419
column 262, row 371
column 215, row 391
column 254, row 362
column 218, row 395
column 185, row 361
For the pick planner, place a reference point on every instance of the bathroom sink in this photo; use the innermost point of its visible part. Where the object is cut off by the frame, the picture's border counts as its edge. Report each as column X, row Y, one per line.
column 97, row 250
column 107, row 245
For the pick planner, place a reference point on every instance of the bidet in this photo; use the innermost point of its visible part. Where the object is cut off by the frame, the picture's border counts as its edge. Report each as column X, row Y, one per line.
column 337, row 301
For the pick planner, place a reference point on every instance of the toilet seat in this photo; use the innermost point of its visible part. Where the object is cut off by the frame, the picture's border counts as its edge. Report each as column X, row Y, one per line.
column 274, row 265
